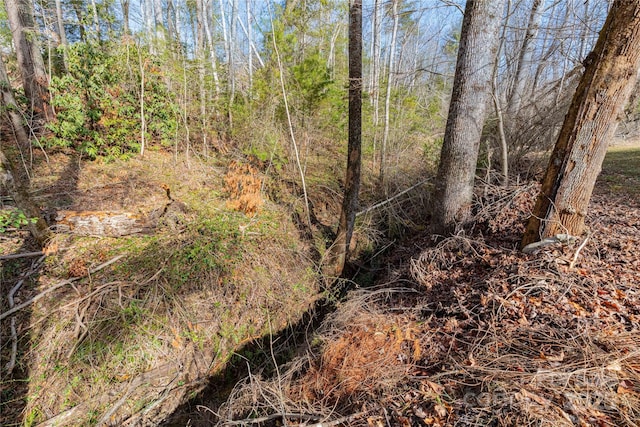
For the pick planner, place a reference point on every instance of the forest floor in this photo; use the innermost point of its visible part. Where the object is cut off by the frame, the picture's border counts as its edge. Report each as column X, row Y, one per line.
column 472, row 332
column 123, row 329
column 468, row 331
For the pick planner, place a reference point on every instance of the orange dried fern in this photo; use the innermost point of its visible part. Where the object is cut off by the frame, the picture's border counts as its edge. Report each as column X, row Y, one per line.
column 243, row 185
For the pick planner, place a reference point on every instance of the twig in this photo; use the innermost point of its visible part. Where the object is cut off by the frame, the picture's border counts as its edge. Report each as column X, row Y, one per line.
column 22, row 255
column 339, row 421
column 56, row 287
column 268, row 418
column 390, row 199
column 575, row 256
column 14, row 333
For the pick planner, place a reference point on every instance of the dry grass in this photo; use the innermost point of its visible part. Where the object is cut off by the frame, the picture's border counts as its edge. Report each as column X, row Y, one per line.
column 139, row 338
column 491, row 336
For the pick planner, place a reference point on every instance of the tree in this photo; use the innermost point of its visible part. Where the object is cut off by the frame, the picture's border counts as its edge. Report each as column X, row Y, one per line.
column 610, row 74
column 30, row 62
column 11, row 108
column 340, row 249
column 467, row 112
column 15, row 182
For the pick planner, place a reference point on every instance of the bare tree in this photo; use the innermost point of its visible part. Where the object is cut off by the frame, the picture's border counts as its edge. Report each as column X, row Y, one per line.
column 610, row 73
column 25, row 39
column 467, row 112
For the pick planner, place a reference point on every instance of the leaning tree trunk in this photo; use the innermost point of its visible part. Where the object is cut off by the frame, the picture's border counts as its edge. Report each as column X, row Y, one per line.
column 16, row 183
column 30, row 62
column 467, row 112
column 11, row 108
column 610, row 74
column 339, row 251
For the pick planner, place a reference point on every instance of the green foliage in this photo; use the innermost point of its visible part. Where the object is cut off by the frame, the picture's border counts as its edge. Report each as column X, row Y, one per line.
column 98, row 101
column 14, row 218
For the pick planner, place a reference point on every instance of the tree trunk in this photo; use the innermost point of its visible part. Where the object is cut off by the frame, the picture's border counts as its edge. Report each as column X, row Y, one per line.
column 610, row 74
column 125, row 16
column 61, row 32
column 11, row 108
column 387, row 101
column 159, row 21
column 30, row 62
column 375, row 74
column 340, row 249
column 467, row 112
column 212, row 49
column 15, row 182
column 524, row 59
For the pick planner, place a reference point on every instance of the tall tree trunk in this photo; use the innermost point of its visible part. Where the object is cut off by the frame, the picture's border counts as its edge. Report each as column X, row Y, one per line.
column 232, row 58
column 524, row 59
column 375, row 74
column 125, row 16
column 467, row 113
column 212, row 49
column 610, row 74
column 340, row 249
column 11, row 108
column 249, row 43
column 61, row 32
column 30, row 62
column 387, row 101
column 159, row 21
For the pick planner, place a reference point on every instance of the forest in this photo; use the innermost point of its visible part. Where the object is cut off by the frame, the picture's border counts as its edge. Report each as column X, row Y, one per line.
column 319, row 213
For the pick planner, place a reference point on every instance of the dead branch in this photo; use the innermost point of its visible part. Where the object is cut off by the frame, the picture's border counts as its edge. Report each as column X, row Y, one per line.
column 21, row 255
column 575, row 256
column 14, row 333
column 390, row 199
column 58, row 286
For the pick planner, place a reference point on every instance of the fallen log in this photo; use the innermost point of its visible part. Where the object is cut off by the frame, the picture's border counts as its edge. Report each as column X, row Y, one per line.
column 101, row 223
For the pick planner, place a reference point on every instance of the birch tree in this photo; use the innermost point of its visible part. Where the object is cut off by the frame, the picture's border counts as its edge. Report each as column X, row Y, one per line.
column 467, row 112
column 609, row 77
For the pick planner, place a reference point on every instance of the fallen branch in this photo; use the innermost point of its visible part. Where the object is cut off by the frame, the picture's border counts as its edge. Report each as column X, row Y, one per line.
column 271, row 417
column 392, row 198
column 14, row 333
column 575, row 256
column 22, row 255
column 57, row 286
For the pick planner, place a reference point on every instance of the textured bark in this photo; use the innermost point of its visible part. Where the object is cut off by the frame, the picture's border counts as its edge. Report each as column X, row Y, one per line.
column 18, row 190
column 576, row 161
column 11, row 108
column 100, row 223
column 16, row 183
column 467, row 113
column 340, row 249
column 30, row 62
